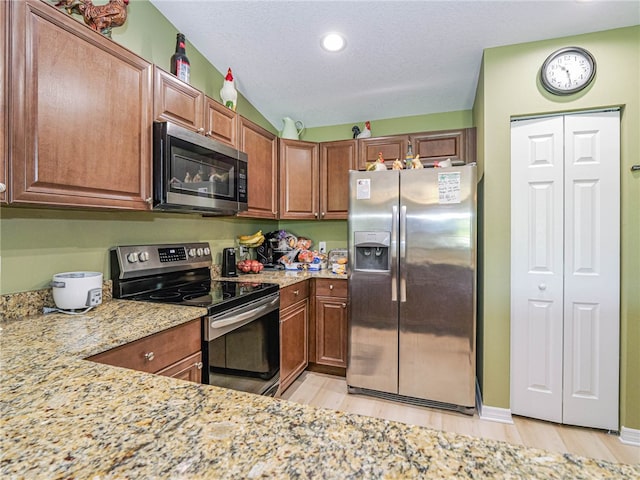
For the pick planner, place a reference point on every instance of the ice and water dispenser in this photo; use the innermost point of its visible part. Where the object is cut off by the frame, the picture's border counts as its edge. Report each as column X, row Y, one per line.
column 372, row 251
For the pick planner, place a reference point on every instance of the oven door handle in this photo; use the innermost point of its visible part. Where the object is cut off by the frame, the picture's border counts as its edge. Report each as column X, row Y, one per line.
column 242, row 315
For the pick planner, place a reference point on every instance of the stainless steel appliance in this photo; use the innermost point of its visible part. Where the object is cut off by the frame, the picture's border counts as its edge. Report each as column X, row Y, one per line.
column 194, row 173
column 241, row 343
column 229, row 262
column 268, row 253
column 412, row 285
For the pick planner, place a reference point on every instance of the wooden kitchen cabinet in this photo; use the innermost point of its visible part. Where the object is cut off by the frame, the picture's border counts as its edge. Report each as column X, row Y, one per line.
column 4, row 157
column 80, row 110
column 294, row 332
column 261, row 147
column 392, row 147
column 314, row 179
column 299, row 184
column 178, row 102
column 175, row 352
column 336, row 159
column 459, row 145
column 329, row 325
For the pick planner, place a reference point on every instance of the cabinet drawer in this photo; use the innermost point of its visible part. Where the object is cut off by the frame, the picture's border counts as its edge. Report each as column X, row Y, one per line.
column 155, row 352
column 328, row 287
column 293, row 293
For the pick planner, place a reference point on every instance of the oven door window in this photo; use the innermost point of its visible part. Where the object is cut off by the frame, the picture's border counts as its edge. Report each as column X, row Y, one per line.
column 211, row 175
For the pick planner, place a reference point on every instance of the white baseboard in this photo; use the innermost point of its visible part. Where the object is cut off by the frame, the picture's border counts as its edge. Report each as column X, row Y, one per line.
column 492, row 414
column 630, row 436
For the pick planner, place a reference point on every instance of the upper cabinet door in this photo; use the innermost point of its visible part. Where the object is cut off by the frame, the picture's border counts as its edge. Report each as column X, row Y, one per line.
column 221, row 123
column 177, row 102
column 261, row 148
column 391, row 147
column 336, row 159
column 458, row 145
column 80, row 114
column 298, row 179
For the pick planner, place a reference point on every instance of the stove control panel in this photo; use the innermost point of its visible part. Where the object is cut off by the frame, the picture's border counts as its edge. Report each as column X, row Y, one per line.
column 141, row 260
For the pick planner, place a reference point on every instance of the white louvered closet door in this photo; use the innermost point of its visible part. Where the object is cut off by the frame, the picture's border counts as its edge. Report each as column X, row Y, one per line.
column 565, row 228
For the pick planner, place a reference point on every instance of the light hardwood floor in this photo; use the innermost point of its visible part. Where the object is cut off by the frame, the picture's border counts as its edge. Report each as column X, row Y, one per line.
column 328, row 391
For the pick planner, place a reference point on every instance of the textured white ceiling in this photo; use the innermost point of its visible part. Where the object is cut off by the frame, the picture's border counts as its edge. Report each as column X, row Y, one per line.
column 402, row 57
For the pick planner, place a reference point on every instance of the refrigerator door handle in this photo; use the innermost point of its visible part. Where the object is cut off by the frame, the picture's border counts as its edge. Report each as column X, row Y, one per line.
column 403, row 253
column 394, row 246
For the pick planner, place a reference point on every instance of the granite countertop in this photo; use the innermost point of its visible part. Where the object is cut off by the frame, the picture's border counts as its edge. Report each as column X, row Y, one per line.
column 284, row 278
column 66, row 417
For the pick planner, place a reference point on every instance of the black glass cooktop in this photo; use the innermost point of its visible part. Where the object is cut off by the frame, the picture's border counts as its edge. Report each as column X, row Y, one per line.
column 197, row 291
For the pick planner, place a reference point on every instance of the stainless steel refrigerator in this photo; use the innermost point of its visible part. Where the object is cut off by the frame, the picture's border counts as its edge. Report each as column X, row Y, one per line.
column 412, row 285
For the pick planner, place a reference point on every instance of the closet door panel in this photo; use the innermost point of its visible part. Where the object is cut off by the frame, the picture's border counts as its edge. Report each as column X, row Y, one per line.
column 592, row 269
column 536, row 268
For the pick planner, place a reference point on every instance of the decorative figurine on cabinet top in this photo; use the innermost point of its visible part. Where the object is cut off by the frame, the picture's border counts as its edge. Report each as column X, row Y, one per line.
column 377, row 165
column 101, row 18
column 356, row 131
column 366, row 133
column 228, row 93
column 397, row 165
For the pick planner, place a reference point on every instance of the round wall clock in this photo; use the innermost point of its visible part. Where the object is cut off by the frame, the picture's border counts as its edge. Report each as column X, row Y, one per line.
column 567, row 70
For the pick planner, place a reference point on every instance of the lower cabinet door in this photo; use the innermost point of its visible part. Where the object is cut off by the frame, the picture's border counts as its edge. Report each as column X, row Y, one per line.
column 189, row 368
column 331, row 331
column 294, row 333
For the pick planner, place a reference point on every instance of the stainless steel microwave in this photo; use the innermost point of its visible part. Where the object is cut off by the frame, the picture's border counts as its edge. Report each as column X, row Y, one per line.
column 194, row 173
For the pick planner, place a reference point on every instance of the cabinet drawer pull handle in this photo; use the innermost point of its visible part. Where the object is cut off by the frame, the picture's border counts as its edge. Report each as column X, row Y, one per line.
column 296, row 292
column 149, row 356
column 344, row 305
column 331, row 287
column 199, row 365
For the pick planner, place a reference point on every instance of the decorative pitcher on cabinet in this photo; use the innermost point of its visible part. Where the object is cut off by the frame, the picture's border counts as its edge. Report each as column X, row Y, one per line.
column 292, row 129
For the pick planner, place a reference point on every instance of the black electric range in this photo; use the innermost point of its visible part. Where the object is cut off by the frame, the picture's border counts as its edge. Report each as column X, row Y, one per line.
column 179, row 274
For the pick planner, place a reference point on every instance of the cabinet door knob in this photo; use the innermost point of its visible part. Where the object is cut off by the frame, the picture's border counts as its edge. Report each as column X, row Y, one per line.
column 322, row 214
column 209, row 133
column 149, row 200
column 198, row 365
column 542, row 286
column 3, row 188
column 331, row 287
column 201, row 130
column 344, row 305
column 149, row 356
column 315, row 214
column 296, row 292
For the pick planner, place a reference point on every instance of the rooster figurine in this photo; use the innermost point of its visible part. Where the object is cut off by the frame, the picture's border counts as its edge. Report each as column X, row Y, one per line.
column 101, row 18
column 366, row 133
column 228, row 93
column 416, row 163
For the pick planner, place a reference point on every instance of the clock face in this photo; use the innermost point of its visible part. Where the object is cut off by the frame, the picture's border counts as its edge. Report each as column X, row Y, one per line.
column 567, row 70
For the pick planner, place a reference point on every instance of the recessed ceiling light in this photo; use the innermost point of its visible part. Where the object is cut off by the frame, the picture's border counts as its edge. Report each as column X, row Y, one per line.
column 333, row 42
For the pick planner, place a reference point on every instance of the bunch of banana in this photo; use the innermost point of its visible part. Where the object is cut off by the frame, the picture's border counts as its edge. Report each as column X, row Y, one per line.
column 254, row 240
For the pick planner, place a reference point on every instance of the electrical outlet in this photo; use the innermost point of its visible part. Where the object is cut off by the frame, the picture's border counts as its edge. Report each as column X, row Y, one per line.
column 323, row 247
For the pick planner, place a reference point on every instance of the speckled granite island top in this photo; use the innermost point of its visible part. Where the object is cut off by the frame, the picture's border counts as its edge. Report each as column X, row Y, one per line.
column 65, row 417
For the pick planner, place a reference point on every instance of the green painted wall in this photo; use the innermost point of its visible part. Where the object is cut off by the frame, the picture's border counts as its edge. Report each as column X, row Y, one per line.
column 510, row 87
column 393, row 126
